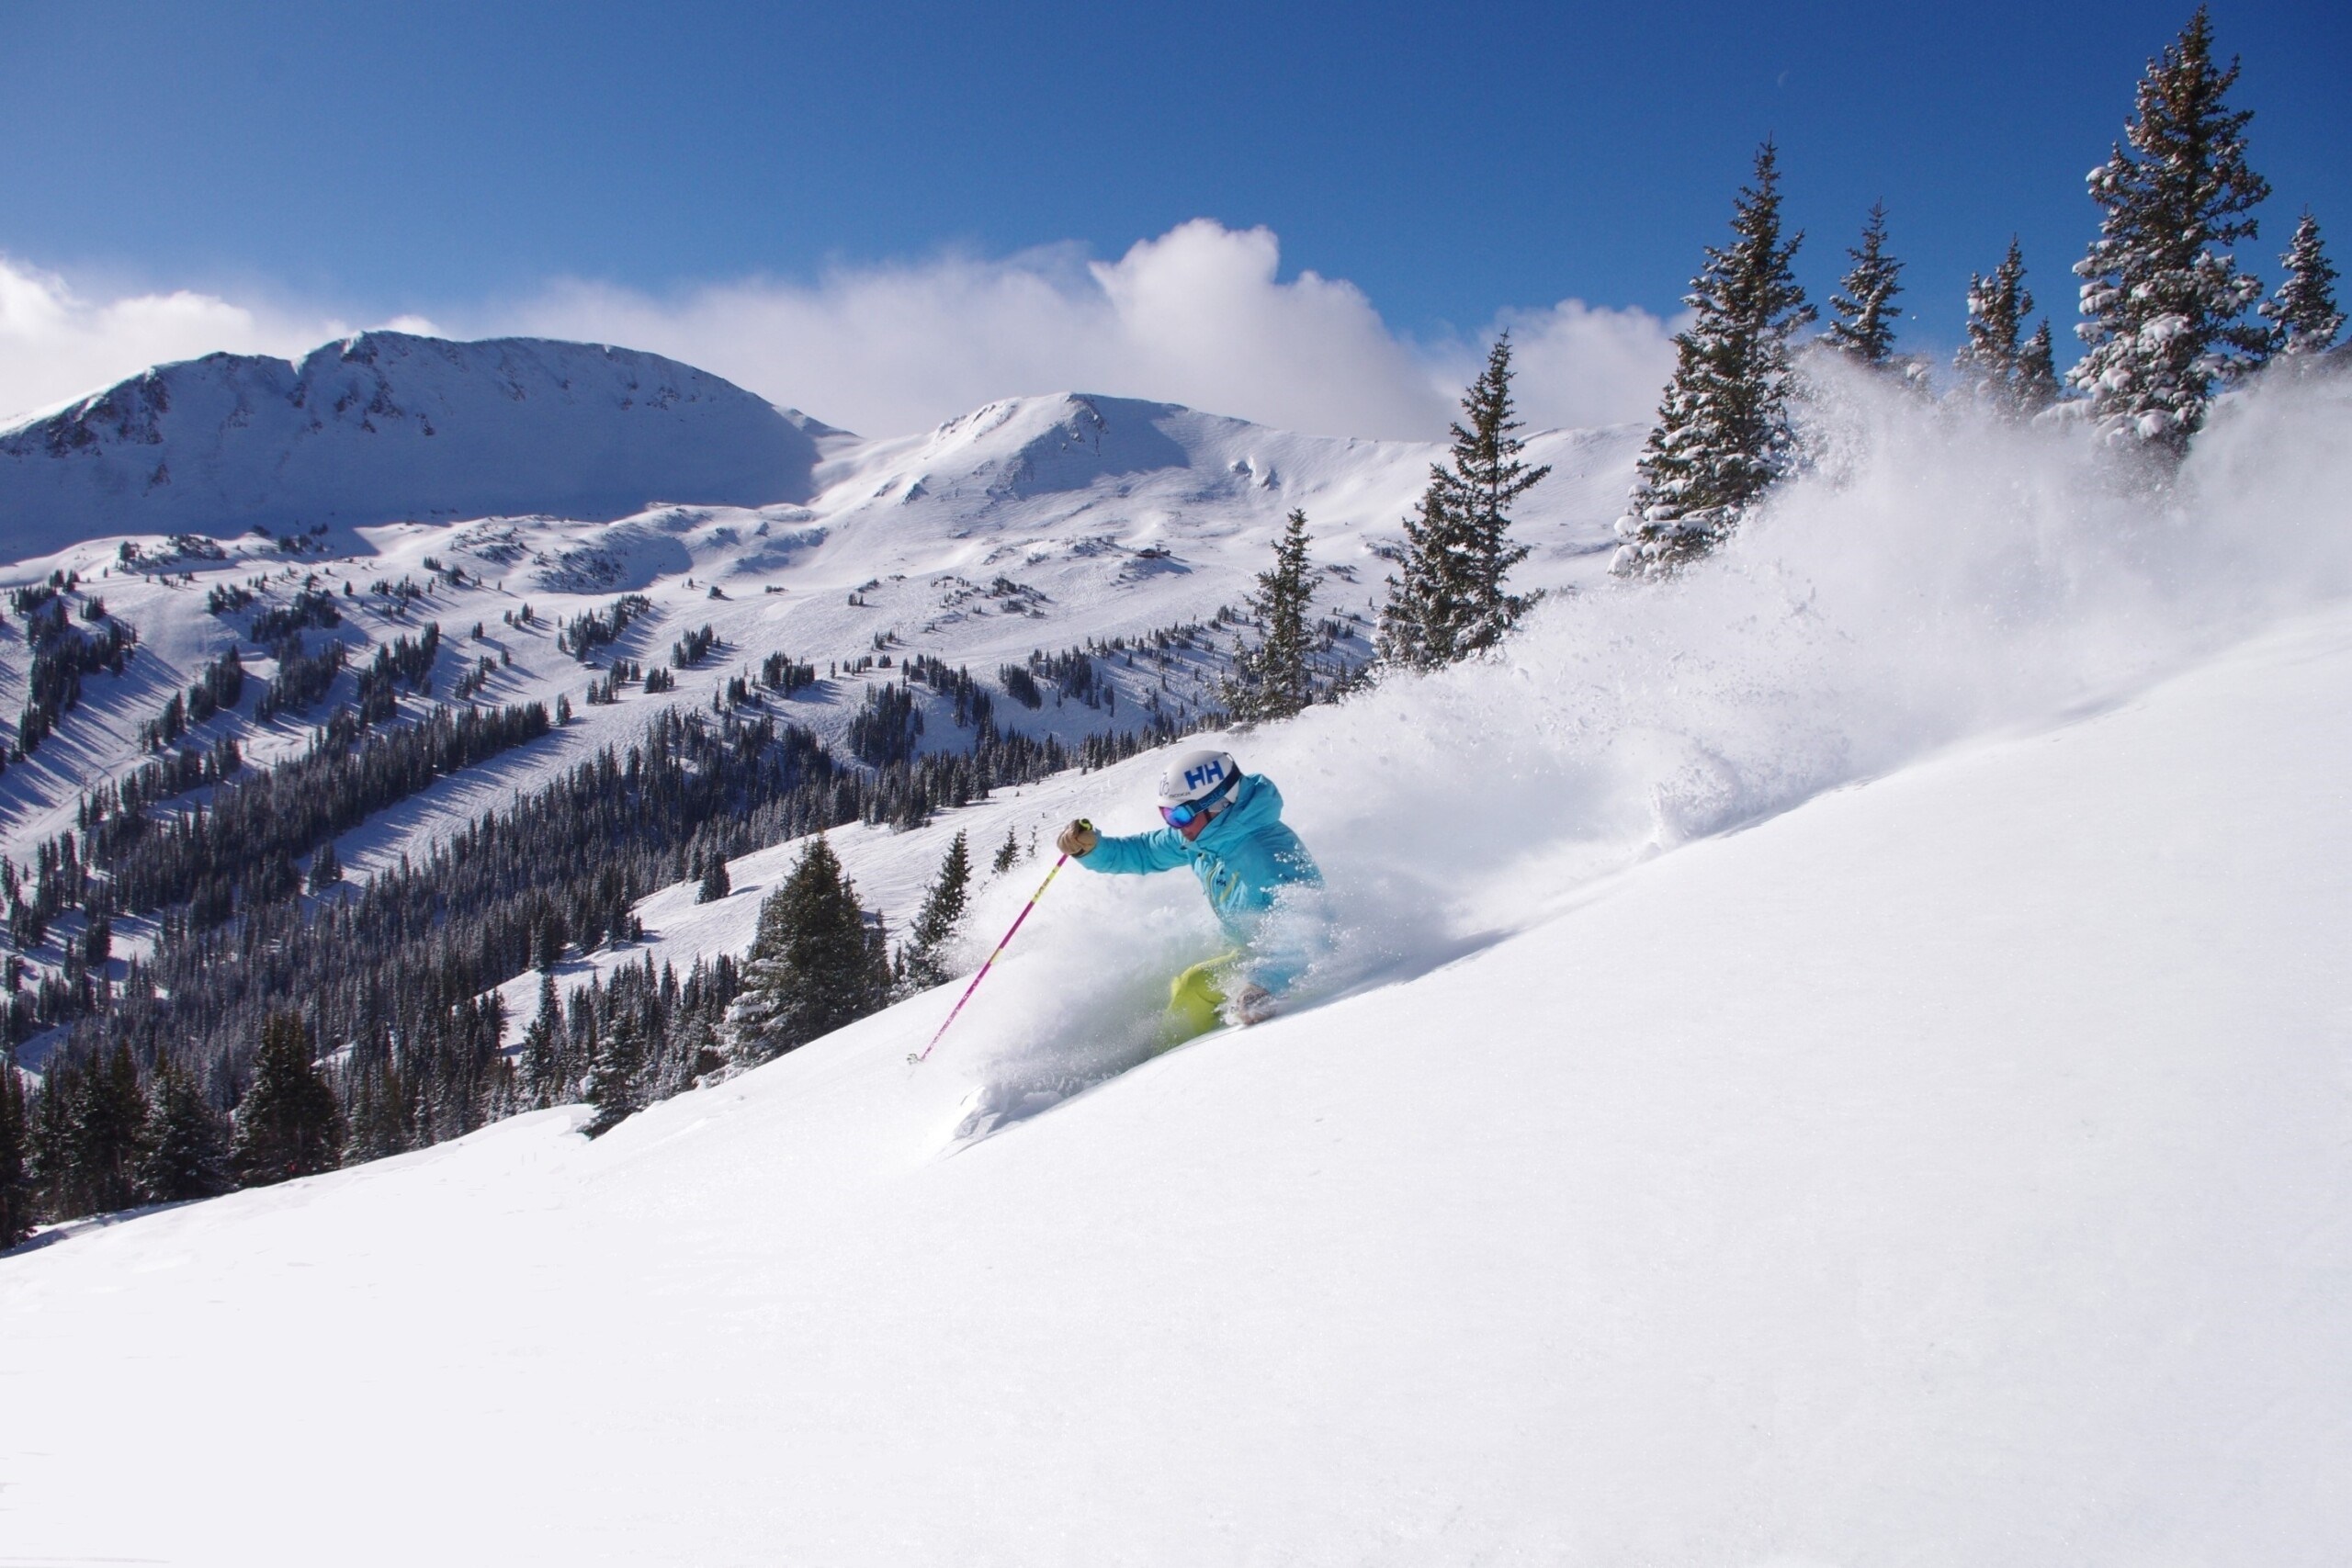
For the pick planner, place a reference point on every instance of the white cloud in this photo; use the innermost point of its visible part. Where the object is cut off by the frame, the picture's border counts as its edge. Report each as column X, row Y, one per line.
column 1199, row 315
column 56, row 344
column 1581, row 366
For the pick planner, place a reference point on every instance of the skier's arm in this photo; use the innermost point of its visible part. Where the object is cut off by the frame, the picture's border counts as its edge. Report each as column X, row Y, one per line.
column 1138, row 853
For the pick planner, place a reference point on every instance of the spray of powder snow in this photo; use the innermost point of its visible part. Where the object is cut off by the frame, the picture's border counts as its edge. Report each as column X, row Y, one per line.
column 1940, row 576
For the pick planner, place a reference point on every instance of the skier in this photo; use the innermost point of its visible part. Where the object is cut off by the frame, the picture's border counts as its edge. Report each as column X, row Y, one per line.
column 1228, row 826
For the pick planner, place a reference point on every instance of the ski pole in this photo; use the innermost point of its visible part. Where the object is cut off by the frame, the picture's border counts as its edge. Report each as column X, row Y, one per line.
column 917, row 1057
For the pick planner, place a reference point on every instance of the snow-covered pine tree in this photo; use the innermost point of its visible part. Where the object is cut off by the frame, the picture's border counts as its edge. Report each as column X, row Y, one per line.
column 1413, row 631
column 2037, row 379
column 2303, row 314
column 1273, row 679
column 613, row 1081
column 16, row 1212
column 325, row 869
column 1993, row 352
column 716, row 884
column 1008, row 853
column 1723, row 434
column 2163, row 299
column 1452, row 601
column 813, row 967
column 1864, row 303
column 187, row 1141
column 1487, row 477
column 288, row 1123
column 2006, row 371
column 924, row 961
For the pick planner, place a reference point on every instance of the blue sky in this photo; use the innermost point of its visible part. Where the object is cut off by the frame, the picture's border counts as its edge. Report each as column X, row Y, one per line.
column 453, row 161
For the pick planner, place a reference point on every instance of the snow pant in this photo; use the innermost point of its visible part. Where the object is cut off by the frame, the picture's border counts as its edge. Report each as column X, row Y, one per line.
column 1196, row 1000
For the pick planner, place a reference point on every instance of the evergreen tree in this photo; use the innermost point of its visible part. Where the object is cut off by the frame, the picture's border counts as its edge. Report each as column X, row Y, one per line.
column 813, row 967
column 1273, row 679
column 377, row 1116
column 1864, row 303
column 325, row 869
column 2303, row 314
column 1452, row 602
column 16, row 1214
column 1008, row 855
column 543, row 1083
column 58, row 1189
column 716, row 884
column 1411, row 623
column 288, row 1123
column 110, row 1122
column 2012, row 373
column 551, row 939
column 1722, row 436
column 186, row 1143
column 924, row 961
column 2164, row 300
column 2037, row 379
column 613, row 1081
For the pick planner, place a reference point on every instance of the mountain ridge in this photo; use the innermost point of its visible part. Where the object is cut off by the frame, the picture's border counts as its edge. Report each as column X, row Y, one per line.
column 339, row 440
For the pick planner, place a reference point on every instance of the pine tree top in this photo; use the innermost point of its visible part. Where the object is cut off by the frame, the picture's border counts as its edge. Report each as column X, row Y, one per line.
column 1864, row 304
column 2303, row 314
column 1994, row 358
column 2163, row 299
column 1723, row 434
column 1452, row 601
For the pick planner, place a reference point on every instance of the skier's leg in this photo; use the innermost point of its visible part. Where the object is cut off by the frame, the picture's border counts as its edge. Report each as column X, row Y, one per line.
column 1195, row 1000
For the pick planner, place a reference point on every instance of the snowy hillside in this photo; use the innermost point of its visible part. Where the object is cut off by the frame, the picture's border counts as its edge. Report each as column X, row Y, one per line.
column 386, row 426
column 1950, row 1170
column 1033, row 524
column 1837, row 1058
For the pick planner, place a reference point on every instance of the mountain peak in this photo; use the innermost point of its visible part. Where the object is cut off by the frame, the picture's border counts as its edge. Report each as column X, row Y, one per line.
column 385, row 427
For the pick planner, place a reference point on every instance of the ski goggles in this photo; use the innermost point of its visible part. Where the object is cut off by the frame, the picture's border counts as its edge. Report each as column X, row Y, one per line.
column 1209, row 805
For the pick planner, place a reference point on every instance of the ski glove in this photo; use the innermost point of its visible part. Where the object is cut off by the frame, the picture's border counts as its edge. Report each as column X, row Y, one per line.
column 1076, row 839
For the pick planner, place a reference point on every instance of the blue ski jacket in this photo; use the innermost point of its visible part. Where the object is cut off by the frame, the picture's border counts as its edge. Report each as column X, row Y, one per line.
column 1245, row 854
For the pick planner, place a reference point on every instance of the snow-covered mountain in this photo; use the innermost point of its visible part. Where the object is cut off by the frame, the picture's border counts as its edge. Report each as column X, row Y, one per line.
column 386, row 426
column 1033, row 523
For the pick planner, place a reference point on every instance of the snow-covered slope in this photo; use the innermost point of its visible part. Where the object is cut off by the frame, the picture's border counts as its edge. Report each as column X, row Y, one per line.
column 384, row 427
column 1840, row 1058
column 1034, row 523
column 1951, row 1170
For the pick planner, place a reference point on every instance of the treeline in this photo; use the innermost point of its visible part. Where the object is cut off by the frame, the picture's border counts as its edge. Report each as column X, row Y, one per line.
column 2170, row 320
column 238, row 851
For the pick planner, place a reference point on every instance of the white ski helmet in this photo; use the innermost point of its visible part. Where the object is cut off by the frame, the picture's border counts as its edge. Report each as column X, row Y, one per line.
column 1197, row 776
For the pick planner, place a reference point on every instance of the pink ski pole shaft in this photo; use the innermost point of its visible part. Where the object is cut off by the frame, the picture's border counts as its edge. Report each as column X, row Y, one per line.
column 924, row 1054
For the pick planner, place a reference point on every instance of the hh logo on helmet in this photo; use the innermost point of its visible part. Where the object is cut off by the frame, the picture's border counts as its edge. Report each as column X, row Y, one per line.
column 1206, row 774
